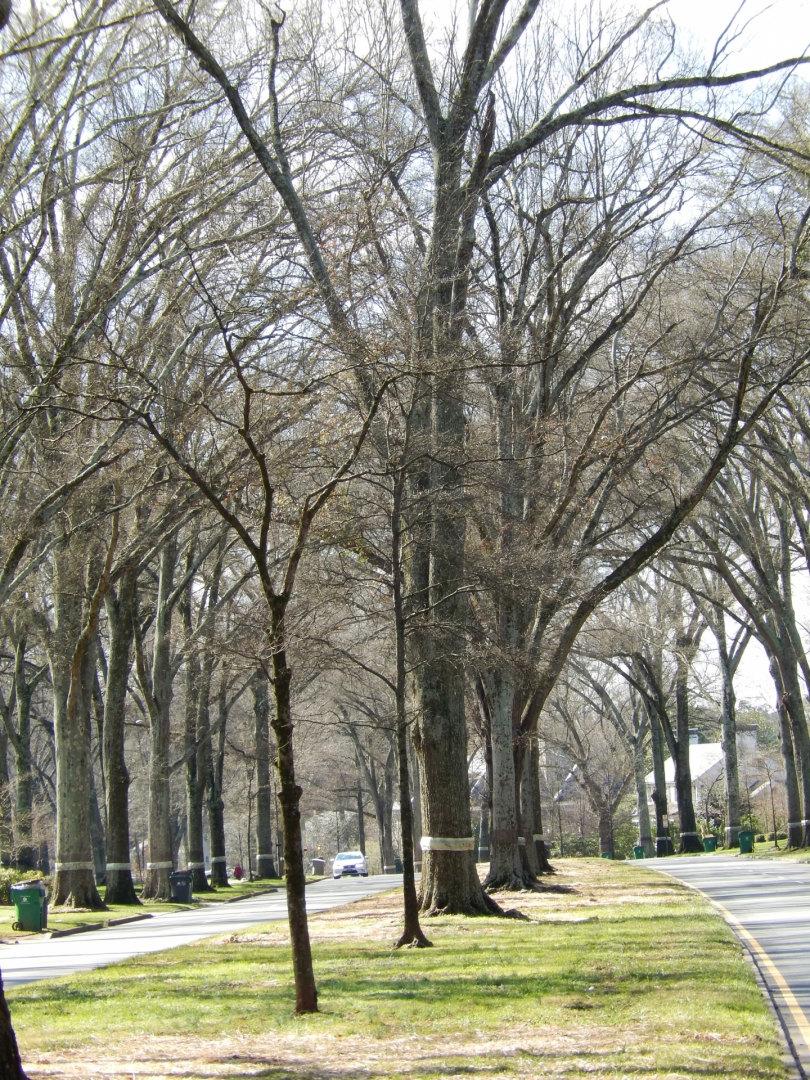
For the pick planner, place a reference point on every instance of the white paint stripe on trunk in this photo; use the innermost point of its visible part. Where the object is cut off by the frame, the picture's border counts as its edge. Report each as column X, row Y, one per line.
column 447, row 843
column 159, row 866
column 118, row 866
column 74, row 866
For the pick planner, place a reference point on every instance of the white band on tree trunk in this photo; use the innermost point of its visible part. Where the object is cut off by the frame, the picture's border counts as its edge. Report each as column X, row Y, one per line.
column 522, row 840
column 795, row 824
column 690, row 834
column 805, row 821
column 538, row 836
column 265, row 856
column 218, row 858
column 196, row 866
column 159, row 866
column 74, row 866
column 447, row 843
column 118, row 866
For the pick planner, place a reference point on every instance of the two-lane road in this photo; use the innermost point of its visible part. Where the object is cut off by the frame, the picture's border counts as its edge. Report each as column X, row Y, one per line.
column 46, row 958
column 767, row 903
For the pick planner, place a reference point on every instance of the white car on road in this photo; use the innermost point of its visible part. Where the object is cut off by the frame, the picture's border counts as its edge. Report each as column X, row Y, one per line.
column 350, row 862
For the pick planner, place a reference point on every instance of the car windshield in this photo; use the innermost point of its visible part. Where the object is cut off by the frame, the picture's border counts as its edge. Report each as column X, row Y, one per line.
column 344, row 855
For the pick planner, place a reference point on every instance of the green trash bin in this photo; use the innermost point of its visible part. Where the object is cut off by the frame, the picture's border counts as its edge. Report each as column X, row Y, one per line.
column 182, row 884
column 746, row 842
column 30, row 899
column 638, row 851
column 607, row 855
column 710, row 843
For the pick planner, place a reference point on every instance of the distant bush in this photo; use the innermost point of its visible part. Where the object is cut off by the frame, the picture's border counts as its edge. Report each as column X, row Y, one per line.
column 760, row 838
column 11, row 877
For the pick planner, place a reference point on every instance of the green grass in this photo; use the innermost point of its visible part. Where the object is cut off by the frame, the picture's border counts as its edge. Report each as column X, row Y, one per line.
column 630, row 975
column 59, row 919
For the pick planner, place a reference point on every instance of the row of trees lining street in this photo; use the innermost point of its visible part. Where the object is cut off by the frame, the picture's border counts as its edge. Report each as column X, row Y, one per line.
column 388, row 393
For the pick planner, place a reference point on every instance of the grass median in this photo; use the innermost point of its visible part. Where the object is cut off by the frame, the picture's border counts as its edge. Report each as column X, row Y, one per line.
column 627, row 975
column 72, row 918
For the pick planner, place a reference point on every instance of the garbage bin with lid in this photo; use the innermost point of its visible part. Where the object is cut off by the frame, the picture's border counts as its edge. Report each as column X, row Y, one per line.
column 397, row 865
column 318, row 866
column 30, row 900
column 710, row 843
column 182, row 885
column 638, row 851
column 746, row 842
column 607, row 854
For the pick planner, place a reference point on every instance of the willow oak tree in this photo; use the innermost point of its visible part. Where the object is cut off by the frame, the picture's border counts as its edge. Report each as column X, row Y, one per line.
column 472, row 143
column 754, row 556
column 90, row 254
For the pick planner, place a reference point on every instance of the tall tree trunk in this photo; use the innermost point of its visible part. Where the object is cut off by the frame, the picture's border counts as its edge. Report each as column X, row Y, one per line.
column 120, row 613
column 795, row 832
column 306, row 994
column 97, row 836
column 74, row 883
column 361, row 815
column 690, row 838
column 505, row 867
column 540, row 843
column 528, row 852
column 416, row 796
column 412, row 933
column 157, row 689
column 26, row 855
column 6, row 836
column 639, row 774
column 663, row 842
column 215, row 797
column 265, row 861
column 728, row 721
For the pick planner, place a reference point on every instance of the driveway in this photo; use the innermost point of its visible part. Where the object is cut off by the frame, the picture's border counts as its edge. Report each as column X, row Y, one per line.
column 767, row 904
column 46, row 958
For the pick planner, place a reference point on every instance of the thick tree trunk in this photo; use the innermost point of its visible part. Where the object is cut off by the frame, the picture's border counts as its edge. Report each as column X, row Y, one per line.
column 74, row 882
column 25, row 853
column 216, row 801
column 690, row 838
column 387, row 807
column 526, row 826
column 306, row 994
column 663, row 841
column 412, row 934
column 606, row 829
column 265, row 861
column 538, row 835
column 417, row 806
column 505, row 866
column 795, row 832
column 801, row 741
column 120, row 613
column 10, row 1063
column 639, row 774
column 97, row 837
column 361, row 815
column 159, row 694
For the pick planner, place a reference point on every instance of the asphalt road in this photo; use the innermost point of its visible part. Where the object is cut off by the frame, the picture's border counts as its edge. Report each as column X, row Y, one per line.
column 767, row 903
column 43, row 958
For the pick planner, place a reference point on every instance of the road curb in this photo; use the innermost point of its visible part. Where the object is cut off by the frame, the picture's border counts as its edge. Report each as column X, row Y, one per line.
column 249, row 896
column 99, row 925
